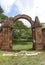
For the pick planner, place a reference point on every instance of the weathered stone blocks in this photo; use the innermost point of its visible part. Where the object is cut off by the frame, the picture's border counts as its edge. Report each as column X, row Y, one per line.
column 6, row 33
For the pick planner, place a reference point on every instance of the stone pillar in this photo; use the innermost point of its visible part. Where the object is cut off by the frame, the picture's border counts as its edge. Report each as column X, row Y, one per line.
column 10, row 38
column 33, row 37
column 0, row 39
column 38, row 38
column 7, row 39
column 38, row 35
column 43, row 34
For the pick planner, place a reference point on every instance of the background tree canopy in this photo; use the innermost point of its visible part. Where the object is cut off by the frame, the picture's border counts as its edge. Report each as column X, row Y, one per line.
column 21, row 32
column 1, row 10
column 2, row 16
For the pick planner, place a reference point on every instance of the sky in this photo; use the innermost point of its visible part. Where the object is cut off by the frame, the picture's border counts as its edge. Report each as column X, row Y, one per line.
column 31, row 8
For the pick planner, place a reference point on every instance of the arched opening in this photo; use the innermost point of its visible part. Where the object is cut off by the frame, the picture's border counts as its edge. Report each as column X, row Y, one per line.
column 7, row 32
column 24, row 17
column 22, row 35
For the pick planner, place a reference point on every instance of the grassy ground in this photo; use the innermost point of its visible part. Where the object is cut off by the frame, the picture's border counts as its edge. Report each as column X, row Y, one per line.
column 22, row 45
column 22, row 59
column 18, row 46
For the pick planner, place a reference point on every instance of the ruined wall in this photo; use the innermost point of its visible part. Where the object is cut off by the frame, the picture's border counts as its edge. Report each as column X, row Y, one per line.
column 1, row 38
column 43, row 34
column 6, row 39
column 38, row 34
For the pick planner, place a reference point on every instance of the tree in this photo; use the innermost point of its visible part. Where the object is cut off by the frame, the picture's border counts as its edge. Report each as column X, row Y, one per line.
column 21, row 32
column 2, row 16
column 1, row 10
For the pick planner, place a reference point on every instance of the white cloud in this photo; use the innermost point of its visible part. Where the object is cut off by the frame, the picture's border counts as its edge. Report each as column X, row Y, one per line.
column 37, row 8
column 25, row 7
column 25, row 22
column 40, row 12
column 6, row 4
column 29, row 7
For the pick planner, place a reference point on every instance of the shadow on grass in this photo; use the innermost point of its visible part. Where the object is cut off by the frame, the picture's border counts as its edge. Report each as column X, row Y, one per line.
column 21, row 47
column 43, row 49
column 1, row 51
column 22, row 50
column 22, row 43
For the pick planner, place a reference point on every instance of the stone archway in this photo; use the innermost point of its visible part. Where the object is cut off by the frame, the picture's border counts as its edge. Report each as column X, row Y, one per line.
column 36, row 30
column 23, row 16
column 6, row 32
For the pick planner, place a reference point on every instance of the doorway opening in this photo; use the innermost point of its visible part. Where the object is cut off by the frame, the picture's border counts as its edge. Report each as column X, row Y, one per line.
column 22, row 35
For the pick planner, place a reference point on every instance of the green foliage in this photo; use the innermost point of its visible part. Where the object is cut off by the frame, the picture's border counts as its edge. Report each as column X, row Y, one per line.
column 21, row 32
column 1, row 10
column 2, row 16
column 10, row 18
column 22, row 58
column 18, row 25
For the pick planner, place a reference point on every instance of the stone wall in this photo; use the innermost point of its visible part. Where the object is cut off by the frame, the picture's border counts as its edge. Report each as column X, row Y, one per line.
column 38, row 34
column 43, row 34
column 1, row 38
column 6, row 38
column 38, row 41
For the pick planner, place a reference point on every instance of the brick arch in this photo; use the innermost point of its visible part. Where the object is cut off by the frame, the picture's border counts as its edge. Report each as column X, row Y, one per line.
column 23, row 16
column 36, row 30
column 6, row 32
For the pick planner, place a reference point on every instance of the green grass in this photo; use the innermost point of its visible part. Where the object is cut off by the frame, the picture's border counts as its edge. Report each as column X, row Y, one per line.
column 22, row 59
column 22, row 45
column 18, row 46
